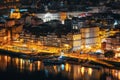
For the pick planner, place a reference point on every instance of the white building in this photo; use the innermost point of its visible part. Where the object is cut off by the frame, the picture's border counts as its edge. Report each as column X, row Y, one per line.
column 48, row 16
column 59, row 16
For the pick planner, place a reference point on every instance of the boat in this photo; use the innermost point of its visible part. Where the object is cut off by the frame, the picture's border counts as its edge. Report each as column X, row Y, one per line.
column 54, row 61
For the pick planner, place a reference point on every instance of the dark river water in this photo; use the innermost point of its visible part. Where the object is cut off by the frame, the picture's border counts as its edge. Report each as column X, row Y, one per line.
column 12, row 68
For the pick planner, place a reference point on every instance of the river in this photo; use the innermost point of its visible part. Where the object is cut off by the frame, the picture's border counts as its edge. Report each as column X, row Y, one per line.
column 13, row 68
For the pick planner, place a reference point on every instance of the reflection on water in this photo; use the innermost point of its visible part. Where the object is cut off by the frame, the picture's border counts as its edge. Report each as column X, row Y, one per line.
column 67, row 71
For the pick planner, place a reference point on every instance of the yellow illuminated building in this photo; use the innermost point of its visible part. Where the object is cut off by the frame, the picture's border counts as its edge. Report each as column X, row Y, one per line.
column 16, row 14
column 90, row 37
column 74, row 40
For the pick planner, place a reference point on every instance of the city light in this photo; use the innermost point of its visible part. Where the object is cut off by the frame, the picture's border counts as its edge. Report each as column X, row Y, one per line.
column 65, row 39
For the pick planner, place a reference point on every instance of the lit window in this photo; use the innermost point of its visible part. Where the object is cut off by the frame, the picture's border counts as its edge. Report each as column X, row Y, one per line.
column 76, row 27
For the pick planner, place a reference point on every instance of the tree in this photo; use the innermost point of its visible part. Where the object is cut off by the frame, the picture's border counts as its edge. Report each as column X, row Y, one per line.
column 109, row 54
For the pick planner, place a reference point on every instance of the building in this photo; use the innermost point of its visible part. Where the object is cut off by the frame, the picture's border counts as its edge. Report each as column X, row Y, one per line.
column 77, row 23
column 8, row 4
column 65, row 42
column 48, row 16
column 13, row 29
column 90, row 37
column 74, row 41
column 58, row 15
column 15, row 14
column 113, row 42
column 52, row 40
column 3, row 36
column 16, row 30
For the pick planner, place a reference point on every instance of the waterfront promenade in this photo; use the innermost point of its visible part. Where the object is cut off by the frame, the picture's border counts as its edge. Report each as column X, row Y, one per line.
column 34, row 49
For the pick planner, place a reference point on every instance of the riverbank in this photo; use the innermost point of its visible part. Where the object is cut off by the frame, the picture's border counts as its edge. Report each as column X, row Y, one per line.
column 31, row 56
column 87, row 62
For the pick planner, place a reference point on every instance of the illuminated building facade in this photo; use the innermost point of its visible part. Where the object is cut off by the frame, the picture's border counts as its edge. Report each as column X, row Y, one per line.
column 113, row 42
column 56, row 16
column 16, row 30
column 48, row 16
column 3, row 36
column 9, row 24
column 69, row 41
column 65, row 41
column 90, row 36
column 52, row 40
column 74, row 41
column 15, row 14
column 12, row 29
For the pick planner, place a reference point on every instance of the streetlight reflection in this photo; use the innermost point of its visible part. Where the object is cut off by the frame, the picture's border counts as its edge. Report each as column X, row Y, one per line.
column 90, row 71
column 82, row 70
